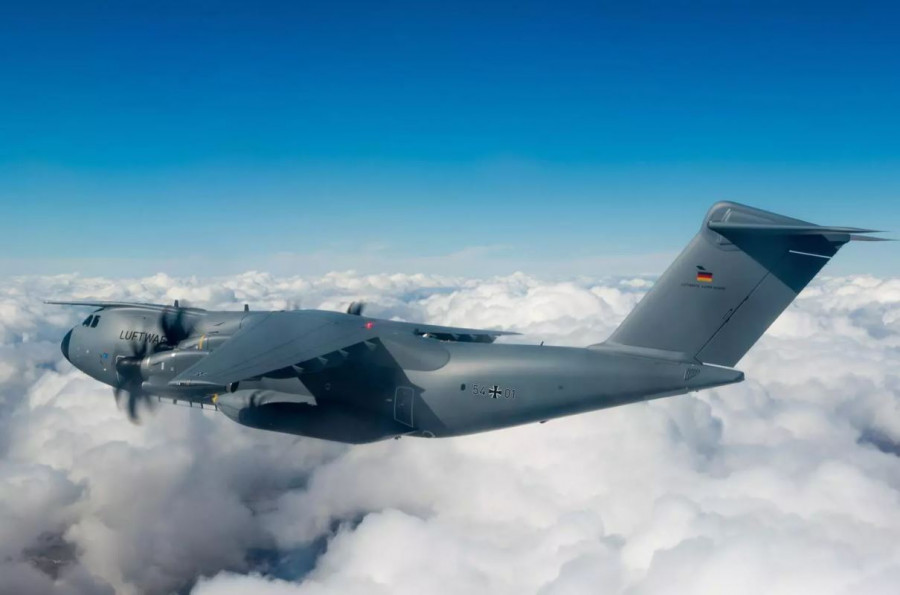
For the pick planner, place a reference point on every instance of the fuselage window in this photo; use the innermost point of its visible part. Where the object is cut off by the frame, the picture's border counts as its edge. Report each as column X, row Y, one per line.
column 88, row 320
column 96, row 322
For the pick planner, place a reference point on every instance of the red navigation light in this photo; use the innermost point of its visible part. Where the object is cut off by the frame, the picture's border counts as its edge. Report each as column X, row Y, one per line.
column 370, row 324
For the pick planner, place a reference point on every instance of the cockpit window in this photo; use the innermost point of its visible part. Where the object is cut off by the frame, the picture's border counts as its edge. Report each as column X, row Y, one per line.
column 91, row 321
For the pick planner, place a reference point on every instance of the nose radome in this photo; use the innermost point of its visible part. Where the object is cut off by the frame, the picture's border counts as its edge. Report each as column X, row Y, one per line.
column 64, row 346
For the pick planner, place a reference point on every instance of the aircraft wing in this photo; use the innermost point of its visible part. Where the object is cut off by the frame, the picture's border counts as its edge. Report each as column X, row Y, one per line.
column 105, row 304
column 277, row 340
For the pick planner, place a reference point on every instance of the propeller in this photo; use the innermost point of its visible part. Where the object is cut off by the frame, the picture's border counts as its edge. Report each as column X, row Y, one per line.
column 176, row 326
column 129, row 380
column 356, row 308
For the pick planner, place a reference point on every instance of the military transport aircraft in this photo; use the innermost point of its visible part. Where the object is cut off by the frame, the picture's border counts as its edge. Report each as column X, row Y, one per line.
column 351, row 378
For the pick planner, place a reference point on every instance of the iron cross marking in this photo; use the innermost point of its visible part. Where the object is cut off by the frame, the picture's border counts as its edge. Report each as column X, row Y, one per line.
column 495, row 392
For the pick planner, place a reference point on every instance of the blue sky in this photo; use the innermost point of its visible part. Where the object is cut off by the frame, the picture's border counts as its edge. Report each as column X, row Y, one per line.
column 553, row 138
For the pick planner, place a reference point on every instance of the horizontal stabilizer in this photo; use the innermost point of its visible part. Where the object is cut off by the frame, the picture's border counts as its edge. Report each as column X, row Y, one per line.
column 724, row 227
column 856, row 238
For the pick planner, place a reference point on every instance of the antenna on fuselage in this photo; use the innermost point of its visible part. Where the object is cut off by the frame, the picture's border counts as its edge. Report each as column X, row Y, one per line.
column 246, row 307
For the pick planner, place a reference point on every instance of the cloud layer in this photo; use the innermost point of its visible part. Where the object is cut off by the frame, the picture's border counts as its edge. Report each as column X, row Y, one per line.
column 787, row 483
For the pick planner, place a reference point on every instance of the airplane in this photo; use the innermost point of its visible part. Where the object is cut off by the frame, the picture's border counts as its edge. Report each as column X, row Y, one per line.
column 347, row 377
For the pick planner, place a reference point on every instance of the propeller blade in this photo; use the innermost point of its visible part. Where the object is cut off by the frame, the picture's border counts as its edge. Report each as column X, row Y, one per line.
column 176, row 326
column 132, row 406
column 129, row 398
column 128, row 392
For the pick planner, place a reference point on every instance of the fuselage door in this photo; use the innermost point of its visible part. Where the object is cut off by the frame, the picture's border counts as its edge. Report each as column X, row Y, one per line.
column 403, row 405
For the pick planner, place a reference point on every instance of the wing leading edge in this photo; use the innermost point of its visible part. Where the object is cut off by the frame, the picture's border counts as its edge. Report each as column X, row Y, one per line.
column 106, row 304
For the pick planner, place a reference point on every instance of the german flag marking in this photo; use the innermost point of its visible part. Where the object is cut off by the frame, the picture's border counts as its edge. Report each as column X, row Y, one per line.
column 704, row 277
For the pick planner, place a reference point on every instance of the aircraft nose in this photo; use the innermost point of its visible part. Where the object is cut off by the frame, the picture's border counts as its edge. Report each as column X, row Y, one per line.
column 64, row 346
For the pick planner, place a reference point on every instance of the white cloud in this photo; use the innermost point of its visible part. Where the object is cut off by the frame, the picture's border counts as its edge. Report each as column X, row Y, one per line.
column 787, row 483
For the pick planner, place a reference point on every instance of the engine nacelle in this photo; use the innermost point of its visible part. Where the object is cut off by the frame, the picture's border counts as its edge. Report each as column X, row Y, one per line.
column 161, row 367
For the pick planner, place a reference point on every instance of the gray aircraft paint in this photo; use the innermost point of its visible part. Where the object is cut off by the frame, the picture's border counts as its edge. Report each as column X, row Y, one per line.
column 352, row 378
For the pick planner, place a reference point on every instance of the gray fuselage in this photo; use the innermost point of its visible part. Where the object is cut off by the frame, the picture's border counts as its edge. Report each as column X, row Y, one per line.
column 400, row 384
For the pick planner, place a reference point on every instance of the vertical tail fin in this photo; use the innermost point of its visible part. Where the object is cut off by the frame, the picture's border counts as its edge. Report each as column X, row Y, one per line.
column 741, row 270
